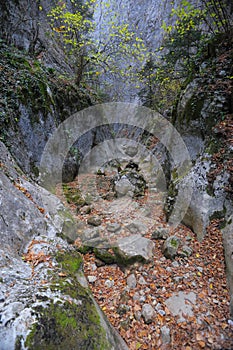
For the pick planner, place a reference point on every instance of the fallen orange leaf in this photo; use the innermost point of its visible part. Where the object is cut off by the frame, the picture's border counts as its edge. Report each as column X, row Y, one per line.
column 202, row 344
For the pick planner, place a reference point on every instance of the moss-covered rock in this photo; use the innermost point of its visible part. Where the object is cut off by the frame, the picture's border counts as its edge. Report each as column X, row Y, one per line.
column 105, row 255
column 170, row 247
column 73, row 321
column 68, row 326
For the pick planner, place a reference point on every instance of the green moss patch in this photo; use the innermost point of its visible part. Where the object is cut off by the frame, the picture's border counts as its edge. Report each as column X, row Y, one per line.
column 71, row 262
column 73, row 195
column 67, row 326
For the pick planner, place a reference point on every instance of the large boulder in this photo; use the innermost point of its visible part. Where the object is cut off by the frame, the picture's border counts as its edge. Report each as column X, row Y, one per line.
column 134, row 248
column 45, row 302
column 181, row 305
column 204, row 204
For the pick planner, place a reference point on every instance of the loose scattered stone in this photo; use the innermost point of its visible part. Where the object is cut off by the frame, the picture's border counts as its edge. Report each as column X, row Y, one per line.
column 148, row 313
column 124, row 187
column 186, row 251
column 91, row 279
column 175, row 264
column 160, row 233
column 136, row 296
column 109, row 283
column 90, row 234
column 142, row 298
column 177, row 279
column 131, row 151
column 94, row 220
column 134, row 248
column 200, row 269
column 104, row 255
column 123, row 309
column 165, row 335
column 99, row 263
column 142, row 280
column 170, row 247
column 129, row 181
column 97, row 242
column 93, row 267
column 131, row 281
column 161, row 312
column 158, row 305
column 85, row 210
column 137, row 315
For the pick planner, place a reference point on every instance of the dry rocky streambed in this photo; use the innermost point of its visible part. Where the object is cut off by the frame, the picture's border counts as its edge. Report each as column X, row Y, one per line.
column 159, row 287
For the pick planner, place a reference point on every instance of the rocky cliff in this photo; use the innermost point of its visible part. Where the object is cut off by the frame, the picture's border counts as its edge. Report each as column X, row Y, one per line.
column 204, row 117
column 38, row 89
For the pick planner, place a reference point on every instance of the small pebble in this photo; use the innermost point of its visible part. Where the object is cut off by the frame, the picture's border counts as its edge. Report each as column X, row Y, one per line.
column 109, row 283
column 158, row 306
column 137, row 315
column 200, row 269
column 136, row 296
column 131, row 281
column 165, row 335
column 142, row 299
column 148, row 313
column 175, row 264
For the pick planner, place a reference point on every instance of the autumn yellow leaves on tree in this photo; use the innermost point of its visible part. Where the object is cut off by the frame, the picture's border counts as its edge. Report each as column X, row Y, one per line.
column 116, row 50
column 96, row 45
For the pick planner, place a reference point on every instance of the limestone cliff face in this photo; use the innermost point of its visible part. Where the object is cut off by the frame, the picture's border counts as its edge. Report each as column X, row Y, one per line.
column 144, row 18
column 203, row 117
column 25, row 25
column 37, row 91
